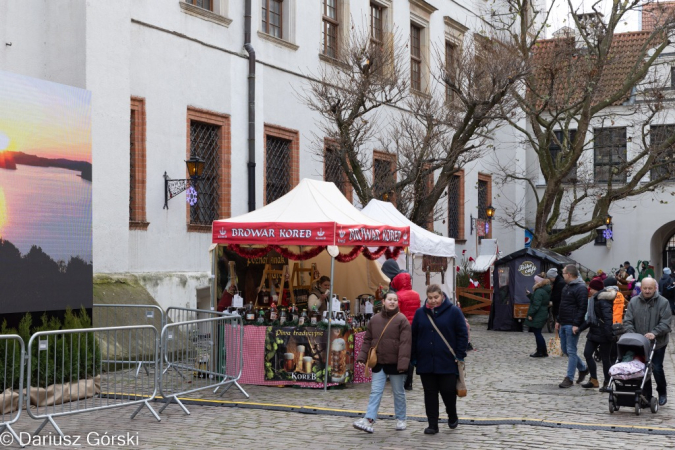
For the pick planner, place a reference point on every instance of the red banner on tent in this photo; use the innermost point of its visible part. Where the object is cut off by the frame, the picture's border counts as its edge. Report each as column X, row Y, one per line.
column 315, row 233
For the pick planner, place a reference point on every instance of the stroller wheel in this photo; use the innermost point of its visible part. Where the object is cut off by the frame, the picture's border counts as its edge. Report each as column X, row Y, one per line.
column 654, row 405
column 637, row 408
column 611, row 406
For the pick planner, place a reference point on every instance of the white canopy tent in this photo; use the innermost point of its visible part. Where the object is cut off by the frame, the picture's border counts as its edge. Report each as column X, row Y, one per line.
column 422, row 242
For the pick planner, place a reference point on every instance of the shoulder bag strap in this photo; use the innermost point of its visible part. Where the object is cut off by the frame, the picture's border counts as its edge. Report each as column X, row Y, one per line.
column 441, row 335
column 385, row 329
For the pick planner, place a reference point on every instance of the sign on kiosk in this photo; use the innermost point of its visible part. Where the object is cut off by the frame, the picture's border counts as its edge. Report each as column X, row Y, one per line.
column 315, row 233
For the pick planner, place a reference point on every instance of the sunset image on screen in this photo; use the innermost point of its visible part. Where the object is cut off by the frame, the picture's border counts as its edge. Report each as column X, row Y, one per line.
column 45, row 193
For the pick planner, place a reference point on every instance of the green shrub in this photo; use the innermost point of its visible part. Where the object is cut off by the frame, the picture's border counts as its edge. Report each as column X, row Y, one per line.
column 66, row 358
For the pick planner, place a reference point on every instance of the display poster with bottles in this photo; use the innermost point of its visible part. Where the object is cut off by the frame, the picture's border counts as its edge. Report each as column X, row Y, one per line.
column 300, row 354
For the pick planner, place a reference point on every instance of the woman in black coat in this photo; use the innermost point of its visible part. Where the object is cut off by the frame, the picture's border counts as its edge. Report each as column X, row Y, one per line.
column 599, row 334
column 435, row 364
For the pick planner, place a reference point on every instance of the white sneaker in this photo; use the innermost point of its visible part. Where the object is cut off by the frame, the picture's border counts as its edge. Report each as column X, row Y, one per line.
column 401, row 425
column 364, row 424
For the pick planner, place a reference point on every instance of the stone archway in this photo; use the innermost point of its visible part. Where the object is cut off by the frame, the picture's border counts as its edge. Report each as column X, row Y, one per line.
column 662, row 247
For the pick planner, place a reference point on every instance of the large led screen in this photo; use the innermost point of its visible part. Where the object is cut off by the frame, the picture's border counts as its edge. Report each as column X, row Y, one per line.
column 45, row 196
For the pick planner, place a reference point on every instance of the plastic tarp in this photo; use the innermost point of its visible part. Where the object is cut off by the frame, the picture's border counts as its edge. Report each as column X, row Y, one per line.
column 313, row 213
column 422, row 242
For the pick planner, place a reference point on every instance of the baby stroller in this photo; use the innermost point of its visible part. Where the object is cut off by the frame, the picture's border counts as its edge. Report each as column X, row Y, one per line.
column 628, row 389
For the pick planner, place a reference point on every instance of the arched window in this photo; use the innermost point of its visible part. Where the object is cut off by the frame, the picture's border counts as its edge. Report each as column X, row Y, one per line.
column 669, row 253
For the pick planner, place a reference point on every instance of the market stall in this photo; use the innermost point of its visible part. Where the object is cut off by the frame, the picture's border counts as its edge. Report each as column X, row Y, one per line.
column 314, row 224
column 513, row 274
column 429, row 255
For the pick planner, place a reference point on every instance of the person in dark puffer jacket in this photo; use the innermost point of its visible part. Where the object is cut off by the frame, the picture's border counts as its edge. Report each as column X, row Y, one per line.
column 600, row 333
column 573, row 306
column 408, row 303
column 435, row 363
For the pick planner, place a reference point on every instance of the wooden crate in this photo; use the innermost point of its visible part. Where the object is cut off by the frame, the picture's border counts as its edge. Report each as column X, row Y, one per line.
column 520, row 310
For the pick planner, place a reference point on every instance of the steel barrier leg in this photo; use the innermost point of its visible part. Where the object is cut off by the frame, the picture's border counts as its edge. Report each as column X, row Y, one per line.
column 242, row 389
column 145, row 403
column 49, row 419
column 11, row 431
column 168, row 402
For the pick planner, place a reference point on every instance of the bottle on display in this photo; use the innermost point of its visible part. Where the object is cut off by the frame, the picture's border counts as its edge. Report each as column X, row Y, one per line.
column 293, row 314
column 316, row 317
column 272, row 313
column 250, row 313
column 302, row 320
column 283, row 316
column 261, row 316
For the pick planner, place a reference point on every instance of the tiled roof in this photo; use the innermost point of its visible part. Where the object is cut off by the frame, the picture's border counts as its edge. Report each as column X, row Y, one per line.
column 559, row 62
column 654, row 14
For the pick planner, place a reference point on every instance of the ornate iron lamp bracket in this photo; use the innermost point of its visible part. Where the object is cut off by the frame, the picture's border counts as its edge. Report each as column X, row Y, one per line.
column 174, row 187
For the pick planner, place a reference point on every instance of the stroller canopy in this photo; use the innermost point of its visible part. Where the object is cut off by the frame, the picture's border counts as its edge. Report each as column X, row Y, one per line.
column 635, row 340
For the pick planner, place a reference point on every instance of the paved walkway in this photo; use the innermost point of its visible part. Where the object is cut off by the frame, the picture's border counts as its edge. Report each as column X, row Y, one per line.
column 504, row 382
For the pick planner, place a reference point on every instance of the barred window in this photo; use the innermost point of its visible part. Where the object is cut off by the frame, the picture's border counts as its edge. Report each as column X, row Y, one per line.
column 376, row 30
column 658, row 134
column 416, row 57
column 384, row 179
column 610, row 152
column 277, row 168
column 206, row 4
column 272, row 17
column 205, row 144
column 558, row 152
column 330, row 28
column 333, row 170
column 454, row 203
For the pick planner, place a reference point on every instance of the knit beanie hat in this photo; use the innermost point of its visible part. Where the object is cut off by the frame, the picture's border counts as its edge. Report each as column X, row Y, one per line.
column 597, row 285
column 610, row 281
column 552, row 273
column 667, row 271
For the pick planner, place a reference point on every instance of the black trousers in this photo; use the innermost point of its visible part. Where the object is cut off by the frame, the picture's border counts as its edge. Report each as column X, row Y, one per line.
column 605, row 348
column 444, row 384
column 409, row 380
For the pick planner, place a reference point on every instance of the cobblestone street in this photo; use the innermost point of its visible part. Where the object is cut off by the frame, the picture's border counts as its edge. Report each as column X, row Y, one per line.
column 504, row 383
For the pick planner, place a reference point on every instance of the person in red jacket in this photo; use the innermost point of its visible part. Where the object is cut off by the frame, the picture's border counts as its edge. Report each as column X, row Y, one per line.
column 408, row 303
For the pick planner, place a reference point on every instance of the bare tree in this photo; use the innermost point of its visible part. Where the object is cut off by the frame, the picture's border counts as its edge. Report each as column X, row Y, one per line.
column 430, row 135
column 583, row 83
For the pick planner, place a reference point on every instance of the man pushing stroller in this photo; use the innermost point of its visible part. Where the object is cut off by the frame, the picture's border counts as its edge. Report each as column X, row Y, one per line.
column 649, row 314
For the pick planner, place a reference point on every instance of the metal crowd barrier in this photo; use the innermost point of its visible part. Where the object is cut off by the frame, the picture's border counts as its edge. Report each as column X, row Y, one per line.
column 175, row 314
column 12, row 357
column 104, row 316
column 195, row 353
column 89, row 369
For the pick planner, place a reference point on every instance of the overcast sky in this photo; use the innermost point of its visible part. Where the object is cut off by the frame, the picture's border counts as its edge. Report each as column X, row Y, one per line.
column 560, row 16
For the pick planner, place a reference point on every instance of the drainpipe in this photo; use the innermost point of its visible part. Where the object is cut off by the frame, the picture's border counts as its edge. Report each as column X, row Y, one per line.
column 251, row 106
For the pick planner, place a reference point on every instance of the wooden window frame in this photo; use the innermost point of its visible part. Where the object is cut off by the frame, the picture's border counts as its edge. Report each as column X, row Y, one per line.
column 374, row 30
column 391, row 158
column 194, row 3
column 488, row 179
column 450, row 67
column 266, row 13
column 349, row 195
column 416, row 56
column 289, row 135
column 225, row 185
column 138, row 156
column 326, row 21
column 461, row 228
